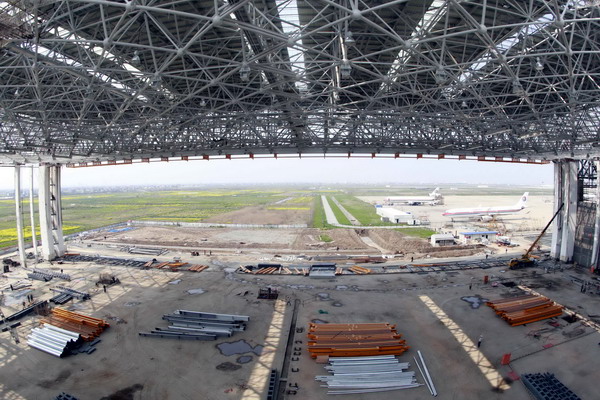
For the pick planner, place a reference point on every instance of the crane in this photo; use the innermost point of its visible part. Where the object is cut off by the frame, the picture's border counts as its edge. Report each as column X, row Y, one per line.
column 525, row 260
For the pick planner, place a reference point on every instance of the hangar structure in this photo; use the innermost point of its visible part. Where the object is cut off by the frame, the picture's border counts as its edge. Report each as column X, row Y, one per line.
column 95, row 82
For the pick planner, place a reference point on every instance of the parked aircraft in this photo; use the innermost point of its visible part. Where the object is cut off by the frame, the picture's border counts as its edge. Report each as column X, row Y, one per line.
column 434, row 198
column 487, row 213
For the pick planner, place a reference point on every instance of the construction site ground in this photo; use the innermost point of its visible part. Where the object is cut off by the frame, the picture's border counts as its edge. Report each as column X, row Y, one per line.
column 427, row 310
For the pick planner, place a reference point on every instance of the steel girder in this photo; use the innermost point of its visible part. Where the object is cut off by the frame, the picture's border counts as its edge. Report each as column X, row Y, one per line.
column 85, row 80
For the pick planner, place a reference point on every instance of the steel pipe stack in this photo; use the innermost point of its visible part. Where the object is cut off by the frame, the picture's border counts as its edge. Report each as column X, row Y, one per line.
column 198, row 325
column 52, row 274
column 354, row 375
column 53, row 340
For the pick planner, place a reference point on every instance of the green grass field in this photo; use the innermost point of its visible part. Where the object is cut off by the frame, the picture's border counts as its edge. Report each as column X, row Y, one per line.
column 89, row 211
column 423, row 233
column 339, row 215
column 362, row 211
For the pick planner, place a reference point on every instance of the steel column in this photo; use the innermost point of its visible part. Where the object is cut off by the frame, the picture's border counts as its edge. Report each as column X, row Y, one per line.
column 50, row 212
column 19, row 211
column 594, row 260
column 569, row 222
column 32, row 215
column 558, row 199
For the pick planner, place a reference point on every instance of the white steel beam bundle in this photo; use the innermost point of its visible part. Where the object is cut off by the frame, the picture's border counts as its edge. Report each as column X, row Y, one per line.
column 105, row 80
column 352, row 375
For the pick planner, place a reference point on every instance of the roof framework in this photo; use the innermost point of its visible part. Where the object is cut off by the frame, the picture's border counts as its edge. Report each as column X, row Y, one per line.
column 96, row 80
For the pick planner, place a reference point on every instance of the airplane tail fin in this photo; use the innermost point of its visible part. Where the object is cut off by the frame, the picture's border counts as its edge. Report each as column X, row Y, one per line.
column 523, row 201
column 435, row 193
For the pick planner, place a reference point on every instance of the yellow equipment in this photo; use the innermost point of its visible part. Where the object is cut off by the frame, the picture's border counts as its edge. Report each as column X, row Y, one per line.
column 526, row 259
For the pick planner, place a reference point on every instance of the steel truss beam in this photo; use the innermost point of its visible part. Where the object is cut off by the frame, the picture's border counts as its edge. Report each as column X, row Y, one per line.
column 98, row 80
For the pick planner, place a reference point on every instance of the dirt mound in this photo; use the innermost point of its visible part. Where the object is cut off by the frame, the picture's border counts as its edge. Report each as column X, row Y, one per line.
column 397, row 242
column 342, row 239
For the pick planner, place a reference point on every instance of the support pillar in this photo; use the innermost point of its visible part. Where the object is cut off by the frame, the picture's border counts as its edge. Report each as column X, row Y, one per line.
column 595, row 247
column 558, row 222
column 570, row 183
column 32, row 215
column 19, row 210
column 50, row 206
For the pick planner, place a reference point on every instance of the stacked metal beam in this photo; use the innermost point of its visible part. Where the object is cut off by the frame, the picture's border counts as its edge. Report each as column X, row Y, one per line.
column 547, row 387
column 525, row 309
column 53, row 340
column 348, row 340
column 353, row 375
column 72, row 292
column 52, row 274
column 198, row 325
column 88, row 327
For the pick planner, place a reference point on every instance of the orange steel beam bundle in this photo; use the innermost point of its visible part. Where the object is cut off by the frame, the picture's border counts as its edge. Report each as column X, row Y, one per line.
column 525, row 307
column 336, row 345
column 520, row 303
column 348, row 326
column 84, row 319
column 342, row 337
column 493, row 303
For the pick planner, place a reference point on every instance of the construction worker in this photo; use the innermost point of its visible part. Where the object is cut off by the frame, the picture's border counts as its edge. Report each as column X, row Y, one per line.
column 480, row 340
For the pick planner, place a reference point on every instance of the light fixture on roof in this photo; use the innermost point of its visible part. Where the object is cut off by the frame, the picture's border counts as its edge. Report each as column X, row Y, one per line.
column 464, row 104
column 245, row 72
column 539, row 66
column 155, row 81
column 202, row 103
column 345, row 69
column 517, row 88
column 349, row 40
column 441, row 76
column 135, row 60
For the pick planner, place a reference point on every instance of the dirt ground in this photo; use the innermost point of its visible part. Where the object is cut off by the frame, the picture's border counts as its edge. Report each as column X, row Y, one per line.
column 264, row 216
column 397, row 243
column 429, row 312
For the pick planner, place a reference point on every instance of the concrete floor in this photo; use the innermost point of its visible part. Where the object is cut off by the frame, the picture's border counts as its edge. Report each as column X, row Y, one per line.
column 427, row 310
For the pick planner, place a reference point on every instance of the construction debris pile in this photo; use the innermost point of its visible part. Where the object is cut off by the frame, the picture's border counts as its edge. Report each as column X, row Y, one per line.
column 525, row 309
column 62, row 333
column 354, row 340
column 353, row 375
column 198, row 325
column 547, row 387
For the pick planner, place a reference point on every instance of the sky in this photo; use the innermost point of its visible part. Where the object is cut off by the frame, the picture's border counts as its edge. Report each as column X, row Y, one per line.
column 291, row 171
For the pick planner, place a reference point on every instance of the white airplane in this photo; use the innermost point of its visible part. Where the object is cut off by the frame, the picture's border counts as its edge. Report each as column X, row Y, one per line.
column 487, row 213
column 433, row 199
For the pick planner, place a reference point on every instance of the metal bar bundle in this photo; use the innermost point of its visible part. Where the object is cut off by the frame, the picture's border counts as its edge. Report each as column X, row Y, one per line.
column 342, row 340
column 353, row 375
column 51, row 273
column 26, row 311
column 53, row 340
column 525, row 309
column 425, row 373
column 72, row 292
column 61, row 298
column 39, row 277
column 88, row 327
column 198, row 325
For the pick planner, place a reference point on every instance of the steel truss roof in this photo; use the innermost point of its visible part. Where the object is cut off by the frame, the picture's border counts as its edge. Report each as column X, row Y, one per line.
column 85, row 80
